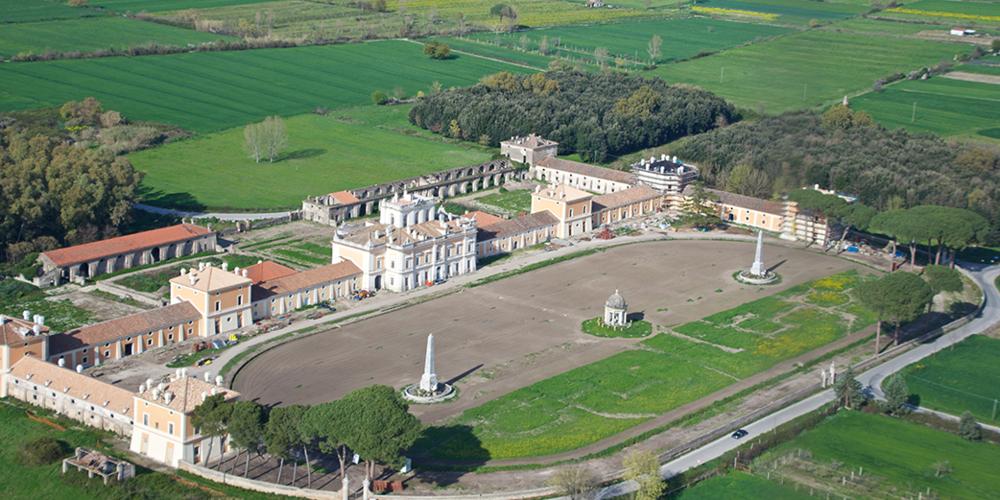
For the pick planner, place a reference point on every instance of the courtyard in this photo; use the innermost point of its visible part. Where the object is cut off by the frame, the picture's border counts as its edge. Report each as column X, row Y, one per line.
column 499, row 337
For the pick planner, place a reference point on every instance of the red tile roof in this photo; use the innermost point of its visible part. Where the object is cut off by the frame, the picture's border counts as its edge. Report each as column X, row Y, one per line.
column 75, row 385
column 97, row 250
column 517, row 225
column 16, row 331
column 305, row 279
column 483, row 218
column 578, row 168
column 132, row 325
column 344, row 197
column 625, row 197
column 268, row 270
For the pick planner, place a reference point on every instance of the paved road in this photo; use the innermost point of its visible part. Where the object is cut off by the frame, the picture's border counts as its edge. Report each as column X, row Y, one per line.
column 238, row 216
column 990, row 316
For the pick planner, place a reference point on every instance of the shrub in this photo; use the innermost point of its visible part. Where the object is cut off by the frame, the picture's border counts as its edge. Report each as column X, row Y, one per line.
column 437, row 50
column 40, row 451
column 969, row 429
column 379, row 97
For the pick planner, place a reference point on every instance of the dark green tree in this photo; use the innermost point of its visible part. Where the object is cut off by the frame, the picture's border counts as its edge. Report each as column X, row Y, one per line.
column 329, row 423
column 210, row 419
column 848, row 390
column 897, row 297
column 246, row 429
column 381, row 427
column 943, row 279
column 282, row 434
column 897, row 395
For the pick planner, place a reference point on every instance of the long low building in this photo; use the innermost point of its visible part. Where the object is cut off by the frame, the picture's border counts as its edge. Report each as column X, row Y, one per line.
column 591, row 178
column 634, row 202
column 125, row 336
column 777, row 216
column 71, row 394
column 508, row 235
column 88, row 260
column 287, row 293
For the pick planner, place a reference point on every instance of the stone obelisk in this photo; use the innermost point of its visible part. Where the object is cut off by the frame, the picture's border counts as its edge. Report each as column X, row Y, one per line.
column 758, row 269
column 429, row 380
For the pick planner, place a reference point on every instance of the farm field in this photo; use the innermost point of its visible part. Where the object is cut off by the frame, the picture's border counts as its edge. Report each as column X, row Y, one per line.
column 805, row 69
column 91, row 34
column 739, row 485
column 345, row 149
column 794, row 12
column 962, row 378
column 682, row 38
column 212, row 91
column 871, row 26
column 979, row 13
column 20, row 11
column 598, row 400
column 164, row 5
column 341, row 18
column 479, row 48
column 898, row 458
column 943, row 106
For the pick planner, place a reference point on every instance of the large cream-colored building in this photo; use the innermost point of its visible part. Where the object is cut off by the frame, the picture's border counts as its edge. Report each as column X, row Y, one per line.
column 529, row 149
column 408, row 248
column 615, row 207
column 570, row 206
column 222, row 297
column 508, row 235
column 162, row 428
column 590, row 178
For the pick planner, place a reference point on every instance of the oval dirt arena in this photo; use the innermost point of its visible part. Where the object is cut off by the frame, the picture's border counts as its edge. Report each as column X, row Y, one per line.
column 496, row 338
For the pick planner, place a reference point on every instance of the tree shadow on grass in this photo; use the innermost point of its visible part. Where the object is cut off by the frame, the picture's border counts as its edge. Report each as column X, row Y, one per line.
column 178, row 201
column 301, row 154
column 442, row 454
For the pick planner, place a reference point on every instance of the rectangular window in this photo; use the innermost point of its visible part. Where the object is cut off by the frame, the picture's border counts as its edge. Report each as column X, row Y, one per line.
column 145, row 419
column 170, row 428
column 218, row 305
column 239, row 300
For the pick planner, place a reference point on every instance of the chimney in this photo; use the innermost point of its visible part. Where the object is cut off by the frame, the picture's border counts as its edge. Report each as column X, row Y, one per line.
column 219, row 380
column 142, row 388
column 79, row 368
column 675, row 158
column 62, row 364
column 225, row 266
column 26, row 314
column 201, row 266
column 41, row 320
column 244, row 273
column 237, row 271
column 192, row 279
column 3, row 319
column 37, row 329
column 208, row 377
column 168, row 397
column 183, row 271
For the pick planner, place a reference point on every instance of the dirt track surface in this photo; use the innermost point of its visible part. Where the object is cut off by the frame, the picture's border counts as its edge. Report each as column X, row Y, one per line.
column 973, row 77
column 508, row 334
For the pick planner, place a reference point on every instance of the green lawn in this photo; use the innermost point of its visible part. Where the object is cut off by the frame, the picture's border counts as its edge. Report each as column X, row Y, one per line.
column 20, row 11
column 962, row 378
column 600, row 399
column 795, row 11
column 346, row 149
column 958, row 12
column 153, row 281
column 46, row 481
column 513, row 202
column 682, row 38
column 93, row 33
column 211, row 91
column 739, row 485
column 806, row 69
column 940, row 105
column 597, row 328
column 481, row 48
column 898, row 457
column 60, row 314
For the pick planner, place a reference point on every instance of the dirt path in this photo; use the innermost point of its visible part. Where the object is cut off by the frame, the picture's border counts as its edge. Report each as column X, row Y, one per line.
column 973, row 77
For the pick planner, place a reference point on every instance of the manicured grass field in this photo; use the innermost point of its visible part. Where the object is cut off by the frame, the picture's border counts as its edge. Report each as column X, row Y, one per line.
column 598, row 400
column 962, row 378
column 513, row 202
column 682, row 38
column 20, row 11
column 346, row 149
column 942, row 105
column 217, row 90
column 483, row 49
column 739, row 485
column 45, row 481
column 806, row 69
column 795, row 11
column 91, row 34
column 597, row 328
column 898, row 456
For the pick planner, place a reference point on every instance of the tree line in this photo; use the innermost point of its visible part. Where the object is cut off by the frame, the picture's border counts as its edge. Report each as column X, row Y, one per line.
column 373, row 422
column 845, row 150
column 597, row 115
column 61, row 181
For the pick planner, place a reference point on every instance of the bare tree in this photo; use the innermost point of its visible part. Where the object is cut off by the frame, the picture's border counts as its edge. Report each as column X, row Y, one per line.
column 275, row 136
column 577, row 482
column 601, row 56
column 653, row 49
column 253, row 141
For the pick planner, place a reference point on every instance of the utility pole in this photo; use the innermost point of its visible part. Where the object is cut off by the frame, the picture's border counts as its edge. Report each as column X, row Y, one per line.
column 994, row 410
column 913, row 115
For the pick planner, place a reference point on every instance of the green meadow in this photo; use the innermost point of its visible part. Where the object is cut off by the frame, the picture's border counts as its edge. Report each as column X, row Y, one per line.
column 21, row 11
column 939, row 105
column 961, row 378
column 738, row 485
column 898, row 458
column 598, row 400
column 682, row 38
column 93, row 33
column 345, row 149
column 807, row 69
column 165, row 5
column 210, row 91
column 797, row 12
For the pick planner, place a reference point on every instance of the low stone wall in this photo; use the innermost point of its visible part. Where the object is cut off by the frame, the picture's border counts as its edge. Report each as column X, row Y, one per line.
column 252, row 484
